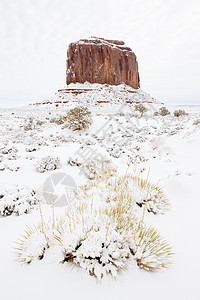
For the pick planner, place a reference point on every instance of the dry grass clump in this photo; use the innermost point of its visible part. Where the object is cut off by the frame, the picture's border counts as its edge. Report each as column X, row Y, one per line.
column 102, row 241
column 31, row 245
column 136, row 191
column 149, row 195
column 90, row 241
column 102, row 238
column 149, row 249
column 91, row 167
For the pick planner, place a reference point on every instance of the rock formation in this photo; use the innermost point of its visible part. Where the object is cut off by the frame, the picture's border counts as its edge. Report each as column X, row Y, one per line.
column 97, row 60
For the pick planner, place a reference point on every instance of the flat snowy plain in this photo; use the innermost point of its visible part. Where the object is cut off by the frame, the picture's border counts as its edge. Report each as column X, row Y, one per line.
column 167, row 147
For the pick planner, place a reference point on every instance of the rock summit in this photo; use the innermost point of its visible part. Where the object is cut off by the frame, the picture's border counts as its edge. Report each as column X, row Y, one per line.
column 97, row 60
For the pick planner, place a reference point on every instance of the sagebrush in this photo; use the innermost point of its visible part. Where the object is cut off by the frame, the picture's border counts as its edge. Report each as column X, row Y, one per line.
column 180, row 112
column 140, row 108
column 78, row 118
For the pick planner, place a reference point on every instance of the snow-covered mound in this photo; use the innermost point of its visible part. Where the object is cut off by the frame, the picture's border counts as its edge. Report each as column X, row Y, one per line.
column 98, row 94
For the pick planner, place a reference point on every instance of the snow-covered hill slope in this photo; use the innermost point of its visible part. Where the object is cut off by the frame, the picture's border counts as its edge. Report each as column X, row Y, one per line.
column 99, row 95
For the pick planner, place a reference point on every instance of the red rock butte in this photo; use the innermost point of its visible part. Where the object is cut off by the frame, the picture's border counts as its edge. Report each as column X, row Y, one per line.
column 97, row 60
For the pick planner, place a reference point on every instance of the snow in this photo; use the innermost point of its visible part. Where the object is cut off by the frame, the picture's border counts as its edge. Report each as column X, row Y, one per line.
column 99, row 95
column 102, row 42
column 165, row 147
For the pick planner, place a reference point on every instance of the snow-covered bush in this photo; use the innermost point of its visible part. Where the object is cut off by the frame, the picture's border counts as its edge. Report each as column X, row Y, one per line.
column 14, row 166
column 33, row 244
column 94, row 166
column 48, row 163
column 74, row 161
column 17, row 200
column 30, row 157
column 103, row 241
column 179, row 113
column 2, row 166
column 132, row 189
column 146, row 193
column 140, row 108
column 78, row 118
column 89, row 241
column 12, row 156
column 8, row 150
column 31, row 148
column 149, row 249
column 29, row 125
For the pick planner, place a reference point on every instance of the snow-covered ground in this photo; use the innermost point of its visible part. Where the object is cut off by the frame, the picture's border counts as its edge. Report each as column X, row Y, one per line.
column 166, row 147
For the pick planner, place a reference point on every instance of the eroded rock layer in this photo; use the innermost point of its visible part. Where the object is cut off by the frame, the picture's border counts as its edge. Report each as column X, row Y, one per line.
column 97, row 60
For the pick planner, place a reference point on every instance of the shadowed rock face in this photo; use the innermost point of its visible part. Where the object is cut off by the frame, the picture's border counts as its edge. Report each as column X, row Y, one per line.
column 97, row 60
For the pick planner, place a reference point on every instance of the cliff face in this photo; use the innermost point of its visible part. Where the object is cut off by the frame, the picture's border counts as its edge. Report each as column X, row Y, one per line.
column 97, row 60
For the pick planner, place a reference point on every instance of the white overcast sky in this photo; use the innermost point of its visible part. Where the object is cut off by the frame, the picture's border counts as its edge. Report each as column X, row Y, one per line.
column 34, row 34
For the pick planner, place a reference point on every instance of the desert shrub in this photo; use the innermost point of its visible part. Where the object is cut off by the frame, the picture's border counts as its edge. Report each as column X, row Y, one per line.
column 48, row 163
column 78, row 118
column 74, row 161
column 14, row 166
column 179, row 113
column 12, row 156
column 17, row 200
column 29, row 124
column 8, row 150
column 163, row 111
column 140, row 108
